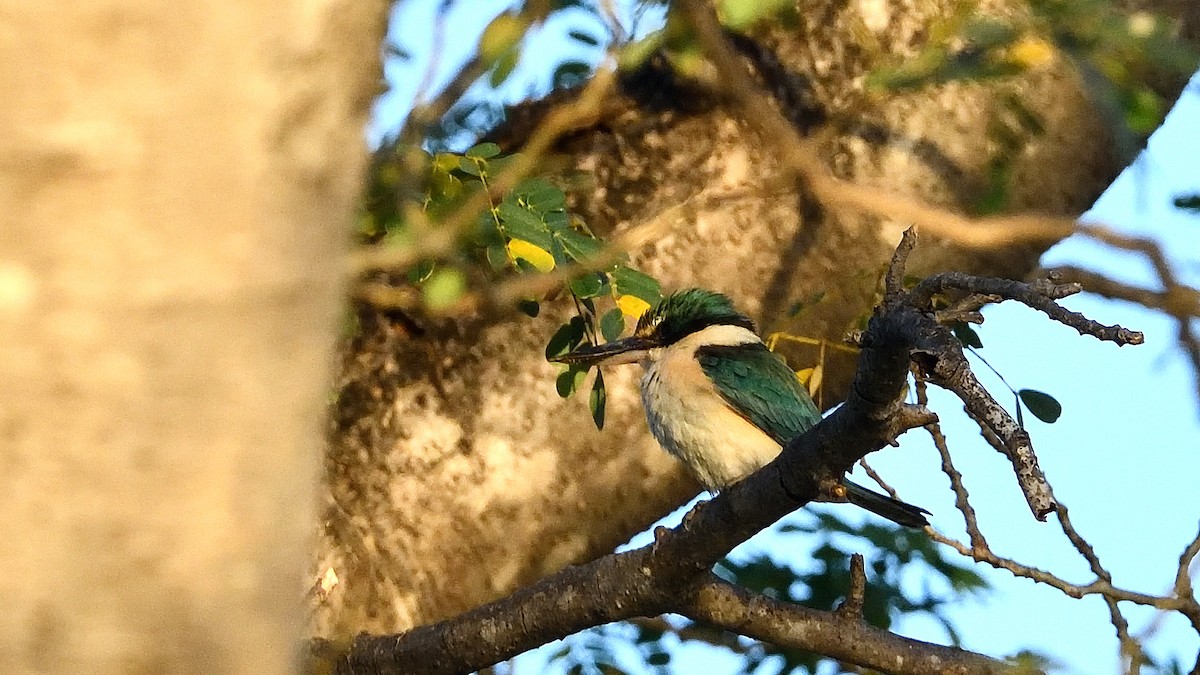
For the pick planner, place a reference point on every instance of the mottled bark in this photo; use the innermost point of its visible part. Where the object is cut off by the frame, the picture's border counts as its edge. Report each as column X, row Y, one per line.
column 175, row 188
column 458, row 475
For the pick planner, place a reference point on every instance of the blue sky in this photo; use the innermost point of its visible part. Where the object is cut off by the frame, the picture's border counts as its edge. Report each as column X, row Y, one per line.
column 1125, row 456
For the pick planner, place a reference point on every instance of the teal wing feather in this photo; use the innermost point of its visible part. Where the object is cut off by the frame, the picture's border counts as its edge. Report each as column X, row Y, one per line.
column 760, row 387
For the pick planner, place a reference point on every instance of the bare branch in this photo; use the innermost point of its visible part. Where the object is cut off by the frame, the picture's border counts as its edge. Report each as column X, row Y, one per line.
column 940, row 358
column 1186, row 302
column 943, row 363
column 1039, row 295
column 1183, row 579
column 852, row 608
column 1130, row 648
column 845, row 639
column 874, row 475
column 961, row 497
column 1179, row 301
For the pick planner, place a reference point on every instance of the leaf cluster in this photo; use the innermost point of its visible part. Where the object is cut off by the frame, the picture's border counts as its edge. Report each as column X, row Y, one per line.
column 1119, row 55
column 527, row 230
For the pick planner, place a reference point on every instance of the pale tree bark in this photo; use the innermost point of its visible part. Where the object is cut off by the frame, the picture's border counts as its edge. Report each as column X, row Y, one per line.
column 176, row 185
column 456, row 473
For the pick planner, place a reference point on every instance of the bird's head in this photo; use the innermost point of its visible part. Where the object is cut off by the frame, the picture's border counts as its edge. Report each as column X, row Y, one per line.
column 672, row 319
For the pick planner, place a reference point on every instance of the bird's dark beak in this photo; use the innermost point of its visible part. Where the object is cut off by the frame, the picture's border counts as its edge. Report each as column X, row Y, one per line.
column 629, row 350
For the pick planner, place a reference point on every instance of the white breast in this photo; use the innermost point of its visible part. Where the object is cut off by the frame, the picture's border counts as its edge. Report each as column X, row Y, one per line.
column 691, row 420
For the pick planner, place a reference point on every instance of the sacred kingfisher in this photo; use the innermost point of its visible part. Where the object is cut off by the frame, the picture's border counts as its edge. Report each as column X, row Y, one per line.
column 717, row 398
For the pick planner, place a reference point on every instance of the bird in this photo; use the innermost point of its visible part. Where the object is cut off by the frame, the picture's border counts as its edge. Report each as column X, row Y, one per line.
column 717, row 398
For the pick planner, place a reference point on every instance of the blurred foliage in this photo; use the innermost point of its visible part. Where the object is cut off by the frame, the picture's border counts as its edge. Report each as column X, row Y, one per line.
column 895, row 559
column 1120, row 56
column 1026, row 662
column 1188, row 203
column 1172, row 666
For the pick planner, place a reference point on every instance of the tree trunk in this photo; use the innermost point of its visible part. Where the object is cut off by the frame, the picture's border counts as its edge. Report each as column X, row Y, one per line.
column 457, row 474
column 177, row 185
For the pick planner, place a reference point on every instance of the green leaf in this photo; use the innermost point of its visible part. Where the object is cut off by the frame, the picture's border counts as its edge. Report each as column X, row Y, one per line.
column 499, row 164
column 525, row 266
column 445, row 162
column 521, row 223
column 483, row 151
column 740, row 15
column 487, row 231
column 658, row 658
column 1043, row 406
column 628, row 281
column 597, row 400
column 504, row 67
column 579, row 246
column 984, row 33
column 470, row 166
column 585, row 38
column 967, row 335
column 421, row 272
column 965, row 579
column 541, row 195
column 1188, row 203
column 443, row 288
column 1144, row 110
column 497, row 256
column 558, row 221
column 588, row 285
column 570, row 74
column 612, row 324
column 566, row 338
column 569, row 380
column 529, row 307
column 996, row 195
column 560, row 256
column 502, row 36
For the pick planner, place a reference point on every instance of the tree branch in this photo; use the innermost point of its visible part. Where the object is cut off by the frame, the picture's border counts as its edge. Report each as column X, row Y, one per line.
column 852, row 608
column 951, row 371
column 962, row 500
column 844, row 638
column 1177, row 300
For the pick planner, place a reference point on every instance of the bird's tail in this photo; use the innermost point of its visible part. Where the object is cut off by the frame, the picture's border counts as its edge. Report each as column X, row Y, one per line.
column 886, row 507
